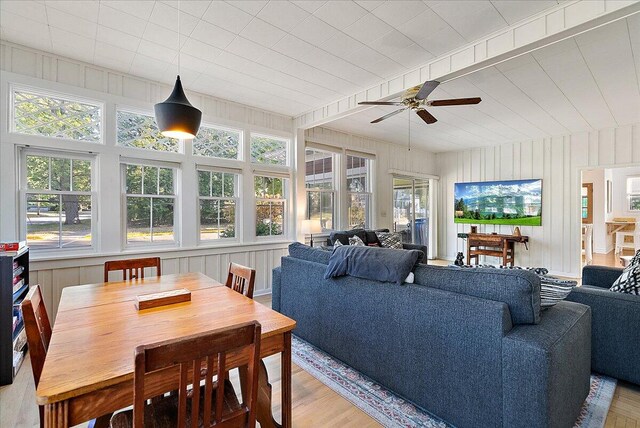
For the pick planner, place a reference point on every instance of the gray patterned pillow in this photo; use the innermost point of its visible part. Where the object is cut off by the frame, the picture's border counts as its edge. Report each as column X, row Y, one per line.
column 629, row 281
column 356, row 241
column 390, row 240
column 552, row 289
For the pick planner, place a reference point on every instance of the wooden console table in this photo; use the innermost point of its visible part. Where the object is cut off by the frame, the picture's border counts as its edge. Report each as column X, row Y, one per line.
column 489, row 244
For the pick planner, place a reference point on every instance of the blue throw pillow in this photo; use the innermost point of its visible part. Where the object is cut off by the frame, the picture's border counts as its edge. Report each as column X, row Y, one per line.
column 380, row 264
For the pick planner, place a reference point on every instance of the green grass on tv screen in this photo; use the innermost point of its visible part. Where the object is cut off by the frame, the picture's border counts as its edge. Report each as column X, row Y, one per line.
column 524, row 221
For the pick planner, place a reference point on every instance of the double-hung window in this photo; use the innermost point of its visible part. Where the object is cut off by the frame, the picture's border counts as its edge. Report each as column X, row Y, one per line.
column 320, row 179
column 271, row 205
column 218, row 202
column 58, row 200
column 150, row 203
column 358, row 191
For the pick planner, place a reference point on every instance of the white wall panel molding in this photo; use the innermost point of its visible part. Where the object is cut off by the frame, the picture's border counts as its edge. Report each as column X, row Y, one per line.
column 550, row 26
column 559, row 162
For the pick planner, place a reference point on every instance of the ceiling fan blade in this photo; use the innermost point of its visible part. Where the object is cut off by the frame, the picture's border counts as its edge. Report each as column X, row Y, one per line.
column 454, row 102
column 386, row 116
column 426, row 116
column 381, row 103
column 426, row 89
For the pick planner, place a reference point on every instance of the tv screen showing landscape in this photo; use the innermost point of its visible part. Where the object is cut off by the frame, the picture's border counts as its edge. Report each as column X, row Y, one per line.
column 513, row 202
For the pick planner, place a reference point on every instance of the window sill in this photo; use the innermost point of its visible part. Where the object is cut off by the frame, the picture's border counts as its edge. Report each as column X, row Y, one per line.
column 144, row 251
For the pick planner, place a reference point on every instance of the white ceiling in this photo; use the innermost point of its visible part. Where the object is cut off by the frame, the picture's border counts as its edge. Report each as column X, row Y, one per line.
column 591, row 81
column 283, row 56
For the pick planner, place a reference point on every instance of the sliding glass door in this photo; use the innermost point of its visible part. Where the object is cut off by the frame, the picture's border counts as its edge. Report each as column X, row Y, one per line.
column 412, row 209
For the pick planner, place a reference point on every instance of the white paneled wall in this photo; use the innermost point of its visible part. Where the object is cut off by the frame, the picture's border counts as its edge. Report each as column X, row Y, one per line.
column 53, row 276
column 558, row 161
column 388, row 156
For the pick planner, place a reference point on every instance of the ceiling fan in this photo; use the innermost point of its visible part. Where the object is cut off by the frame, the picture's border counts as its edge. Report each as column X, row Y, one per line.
column 416, row 99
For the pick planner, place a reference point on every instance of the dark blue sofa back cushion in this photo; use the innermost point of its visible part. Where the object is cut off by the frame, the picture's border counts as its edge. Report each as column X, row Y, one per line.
column 379, row 264
column 304, row 252
column 519, row 289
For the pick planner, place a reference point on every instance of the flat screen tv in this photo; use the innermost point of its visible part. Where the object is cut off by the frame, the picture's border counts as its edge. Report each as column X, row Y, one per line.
column 512, row 202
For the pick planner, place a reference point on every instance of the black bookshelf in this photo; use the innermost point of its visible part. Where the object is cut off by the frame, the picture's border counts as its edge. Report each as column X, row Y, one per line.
column 10, row 299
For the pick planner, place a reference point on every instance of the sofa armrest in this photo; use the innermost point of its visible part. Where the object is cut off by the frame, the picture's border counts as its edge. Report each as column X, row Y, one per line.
column 547, row 368
column 600, row 276
column 422, row 248
column 276, row 282
column 616, row 336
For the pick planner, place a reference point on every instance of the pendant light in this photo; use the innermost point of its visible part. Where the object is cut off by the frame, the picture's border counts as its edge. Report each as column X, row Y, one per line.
column 175, row 116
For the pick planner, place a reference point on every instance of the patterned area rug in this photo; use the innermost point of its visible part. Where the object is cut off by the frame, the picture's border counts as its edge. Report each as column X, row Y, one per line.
column 392, row 411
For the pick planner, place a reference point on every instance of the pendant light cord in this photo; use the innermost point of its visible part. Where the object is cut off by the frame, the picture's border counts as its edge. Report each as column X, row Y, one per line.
column 179, row 38
column 409, row 130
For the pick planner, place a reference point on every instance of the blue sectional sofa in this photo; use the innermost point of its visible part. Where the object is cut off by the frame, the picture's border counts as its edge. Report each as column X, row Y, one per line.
column 470, row 346
column 616, row 323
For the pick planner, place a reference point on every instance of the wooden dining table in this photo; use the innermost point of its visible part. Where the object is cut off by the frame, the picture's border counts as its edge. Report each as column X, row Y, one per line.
column 88, row 371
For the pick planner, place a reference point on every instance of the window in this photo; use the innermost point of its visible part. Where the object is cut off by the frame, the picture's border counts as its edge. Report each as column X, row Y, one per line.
column 270, row 205
column 633, row 193
column 58, row 201
column 359, row 191
column 140, row 131
column 57, row 117
column 320, row 186
column 150, row 202
column 218, row 143
column 269, row 150
column 217, row 195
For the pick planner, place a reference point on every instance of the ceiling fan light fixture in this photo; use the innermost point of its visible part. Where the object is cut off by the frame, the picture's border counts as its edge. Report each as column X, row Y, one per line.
column 176, row 117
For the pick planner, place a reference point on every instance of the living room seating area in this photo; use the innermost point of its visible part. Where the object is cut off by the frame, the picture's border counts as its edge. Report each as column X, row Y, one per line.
column 320, row 213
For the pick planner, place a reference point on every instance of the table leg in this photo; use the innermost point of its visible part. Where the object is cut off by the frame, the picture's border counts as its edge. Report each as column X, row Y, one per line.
column 56, row 415
column 264, row 413
column 286, row 381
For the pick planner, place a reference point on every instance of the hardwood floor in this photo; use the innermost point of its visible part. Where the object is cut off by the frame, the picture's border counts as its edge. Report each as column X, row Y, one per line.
column 314, row 404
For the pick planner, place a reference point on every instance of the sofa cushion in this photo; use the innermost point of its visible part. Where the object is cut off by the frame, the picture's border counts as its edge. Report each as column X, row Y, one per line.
column 344, row 235
column 356, row 241
column 390, row 240
column 519, row 289
column 629, row 281
column 380, row 264
column 372, row 238
column 304, row 252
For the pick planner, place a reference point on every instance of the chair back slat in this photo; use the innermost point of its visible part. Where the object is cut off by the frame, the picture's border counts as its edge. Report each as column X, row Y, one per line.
column 190, row 354
column 195, row 397
column 37, row 328
column 220, row 395
column 182, row 395
column 208, row 390
column 132, row 269
column 241, row 279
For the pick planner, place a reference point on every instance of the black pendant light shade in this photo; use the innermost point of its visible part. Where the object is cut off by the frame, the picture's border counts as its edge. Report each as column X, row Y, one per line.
column 176, row 117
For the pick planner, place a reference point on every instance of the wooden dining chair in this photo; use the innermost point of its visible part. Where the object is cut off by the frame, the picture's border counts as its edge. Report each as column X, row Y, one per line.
column 196, row 357
column 38, row 330
column 241, row 279
column 134, row 267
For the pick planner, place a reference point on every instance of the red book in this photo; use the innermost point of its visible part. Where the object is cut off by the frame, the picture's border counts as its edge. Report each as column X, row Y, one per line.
column 12, row 246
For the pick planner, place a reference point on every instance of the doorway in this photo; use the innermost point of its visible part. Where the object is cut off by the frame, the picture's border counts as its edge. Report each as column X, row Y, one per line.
column 412, row 199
